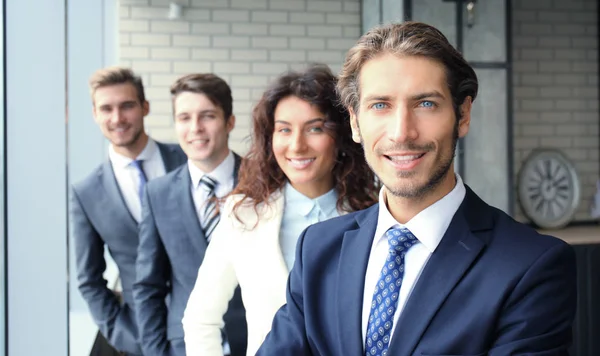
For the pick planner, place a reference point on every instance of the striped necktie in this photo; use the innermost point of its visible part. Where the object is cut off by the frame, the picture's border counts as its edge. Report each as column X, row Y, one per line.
column 209, row 218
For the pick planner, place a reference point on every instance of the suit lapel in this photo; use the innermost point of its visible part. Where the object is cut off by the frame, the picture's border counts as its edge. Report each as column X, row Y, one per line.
column 354, row 256
column 171, row 155
column 113, row 196
column 185, row 205
column 453, row 257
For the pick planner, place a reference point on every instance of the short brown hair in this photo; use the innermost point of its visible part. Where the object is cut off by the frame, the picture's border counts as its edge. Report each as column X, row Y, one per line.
column 211, row 85
column 407, row 39
column 116, row 75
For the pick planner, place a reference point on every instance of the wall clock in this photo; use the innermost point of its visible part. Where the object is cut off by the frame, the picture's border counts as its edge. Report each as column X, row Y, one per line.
column 549, row 188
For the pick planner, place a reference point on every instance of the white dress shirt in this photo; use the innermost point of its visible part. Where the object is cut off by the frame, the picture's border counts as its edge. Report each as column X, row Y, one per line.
column 222, row 174
column 128, row 178
column 428, row 226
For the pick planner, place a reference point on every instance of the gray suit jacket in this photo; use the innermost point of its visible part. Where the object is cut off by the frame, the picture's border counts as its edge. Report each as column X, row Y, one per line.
column 100, row 217
column 172, row 247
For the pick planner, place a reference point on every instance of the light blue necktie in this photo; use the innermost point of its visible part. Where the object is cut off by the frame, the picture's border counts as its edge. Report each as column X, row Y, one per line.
column 142, row 180
column 387, row 290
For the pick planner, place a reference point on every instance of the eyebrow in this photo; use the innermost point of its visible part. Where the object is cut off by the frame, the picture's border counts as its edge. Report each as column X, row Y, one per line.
column 306, row 123
column 416, row 97
column 203, row 112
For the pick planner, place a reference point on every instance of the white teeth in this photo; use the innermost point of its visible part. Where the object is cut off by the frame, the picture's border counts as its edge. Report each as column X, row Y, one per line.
column 301, row 162
column 199, row 141
column 407, row 158
column 120, row 129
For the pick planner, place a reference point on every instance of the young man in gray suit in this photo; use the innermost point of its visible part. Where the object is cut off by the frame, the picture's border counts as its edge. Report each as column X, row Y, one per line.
column 180, row 211
column 106, row 206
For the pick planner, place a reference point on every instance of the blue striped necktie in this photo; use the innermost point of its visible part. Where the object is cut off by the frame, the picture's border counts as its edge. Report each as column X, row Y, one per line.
column 142, row 179
column 209, row 218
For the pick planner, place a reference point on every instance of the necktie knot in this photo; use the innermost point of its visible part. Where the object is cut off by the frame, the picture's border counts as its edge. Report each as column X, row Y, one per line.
column 208, row 183
column 400, row 239
column 142, row 179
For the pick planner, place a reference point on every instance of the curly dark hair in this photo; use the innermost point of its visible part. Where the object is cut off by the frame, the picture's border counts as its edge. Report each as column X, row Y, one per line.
column 260, row 175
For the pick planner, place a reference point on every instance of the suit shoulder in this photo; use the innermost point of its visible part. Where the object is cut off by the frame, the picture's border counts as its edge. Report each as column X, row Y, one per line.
column 90, row 181
column 165, row 182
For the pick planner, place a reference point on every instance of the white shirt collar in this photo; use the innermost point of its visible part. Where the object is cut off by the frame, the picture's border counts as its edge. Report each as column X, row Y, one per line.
column 121, row 161
column 222, row 173
column 430, row 225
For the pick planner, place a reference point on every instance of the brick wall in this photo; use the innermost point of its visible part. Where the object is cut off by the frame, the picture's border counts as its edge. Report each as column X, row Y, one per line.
column 555, row 53
column 247, row 42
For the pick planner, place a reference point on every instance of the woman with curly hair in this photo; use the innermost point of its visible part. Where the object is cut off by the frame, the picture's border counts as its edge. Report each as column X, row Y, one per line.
column 303, row 167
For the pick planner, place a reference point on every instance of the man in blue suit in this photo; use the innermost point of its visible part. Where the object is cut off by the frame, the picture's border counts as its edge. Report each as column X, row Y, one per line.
column 106, row 206
column 179, row 214
column 431, row 269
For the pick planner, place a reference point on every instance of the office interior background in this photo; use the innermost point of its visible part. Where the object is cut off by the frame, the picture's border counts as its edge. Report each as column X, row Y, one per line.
column 537, row 62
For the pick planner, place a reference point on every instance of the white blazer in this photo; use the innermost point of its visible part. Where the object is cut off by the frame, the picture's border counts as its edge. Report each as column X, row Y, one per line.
column 238, row 254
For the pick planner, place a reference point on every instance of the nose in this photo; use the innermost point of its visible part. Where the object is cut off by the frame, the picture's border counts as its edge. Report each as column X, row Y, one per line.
column 298, row 142
column 196, row 125
column 116, row 117
column 402, row 125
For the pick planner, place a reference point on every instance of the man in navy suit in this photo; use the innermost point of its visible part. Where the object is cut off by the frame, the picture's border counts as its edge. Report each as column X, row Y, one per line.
column 106, row 206
column 431, row 269
column 179, row 214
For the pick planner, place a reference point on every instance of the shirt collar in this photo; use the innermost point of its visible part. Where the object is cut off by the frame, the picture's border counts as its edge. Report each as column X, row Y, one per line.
column 122, row 161
column 221, row 173
column 430, row 225
column 327, row 202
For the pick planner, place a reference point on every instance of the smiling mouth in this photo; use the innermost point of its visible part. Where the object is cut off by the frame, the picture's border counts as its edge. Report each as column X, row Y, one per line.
column 404, row 158
column 300, row 163
column 199, row 142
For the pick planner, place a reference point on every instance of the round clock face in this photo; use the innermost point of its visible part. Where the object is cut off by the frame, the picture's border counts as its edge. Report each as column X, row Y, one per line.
column 549, row 189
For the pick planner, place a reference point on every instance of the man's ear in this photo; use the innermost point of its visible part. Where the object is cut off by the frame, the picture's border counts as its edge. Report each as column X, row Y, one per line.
column 146, row 107
column 354, row 126
column 465, row 116
column 230, row 123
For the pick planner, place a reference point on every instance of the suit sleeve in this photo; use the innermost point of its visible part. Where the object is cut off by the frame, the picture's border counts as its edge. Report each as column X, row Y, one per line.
column 539, row 313
column 152, row 285
column 288, row 331
column 208, row 303
column 102, row 302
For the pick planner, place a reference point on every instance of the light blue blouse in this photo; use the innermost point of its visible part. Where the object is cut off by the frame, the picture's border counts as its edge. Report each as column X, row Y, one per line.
column 298, row 213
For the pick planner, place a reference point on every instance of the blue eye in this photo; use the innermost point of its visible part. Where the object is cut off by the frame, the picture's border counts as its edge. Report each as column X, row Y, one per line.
column 379, row 106
column 427, row 104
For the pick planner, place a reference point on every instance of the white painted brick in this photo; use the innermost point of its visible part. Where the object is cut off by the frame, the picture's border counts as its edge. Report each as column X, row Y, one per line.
column 230, row 42
column 583, row 17
column 351, row 6
column 326, row 56
column 124, row 12
column 269, row 42
column 586, row 67
column 556, row 142
column 576, row 154
column 537, row 130
column 191, row 41
column 555, row 92
column 170, row 27
column 526, row 142
column 211, row 28
column 528, row 54
column 159, row 121
column 196, row 15
column 287, row 4
column 167, row 2
column 524, row 41
column 531, row 104
column 592, row 55
column 307, row 43
column 287, row 55
column 307, row 18
column 554, row 41
column 256, row 94
column 162, row 134
column 211, row 4
column 570, row 79
column 133, row 52
column 569, row 54
column 148, row 12
column 341, row 44
column 138, row 39
column 325, row 31
column 231, row 15
column 210, row 53
column 192, row 67
column 570, row 29
column 133, row 2
column 124, row 39
column 585, row 42
column 535, row 5
column 570, row 104
column 269, row 68
column 535, row 29
column 525, row 66
column 324, row 6
column 125, row 63
column 352, row 31
column 151, row 66
column 249, row 54
column 270, row 16
column 163, row 79
column 526, row 117
column 240, row 94
column 525, row 15
column 572, row 129
column 585, row 92
column 231, row 67
column 591, row 30
column 343, row 19
column 526, row 92
column 157, row 93
column 248, row 4
column 134, row 25
column 287, row 30
column 248, row 81
column 170, row 53
column 249, row 29
column 568, row 5
column 536, row 79
column 554, row 66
